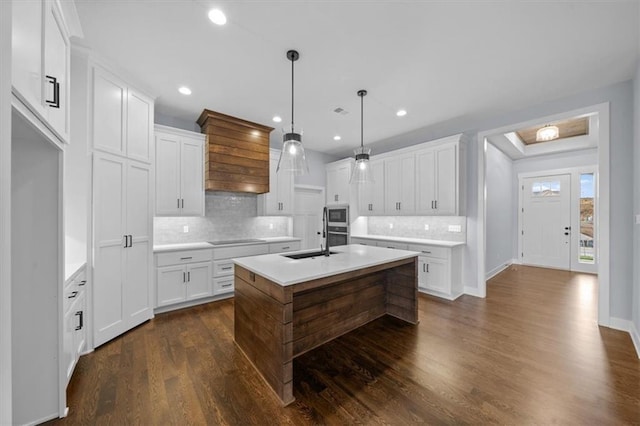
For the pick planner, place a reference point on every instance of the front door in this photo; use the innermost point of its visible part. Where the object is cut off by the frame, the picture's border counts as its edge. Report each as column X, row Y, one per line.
column 546, row 221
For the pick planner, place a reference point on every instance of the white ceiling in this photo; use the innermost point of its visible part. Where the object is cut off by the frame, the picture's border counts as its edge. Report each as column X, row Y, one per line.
column 439, row 60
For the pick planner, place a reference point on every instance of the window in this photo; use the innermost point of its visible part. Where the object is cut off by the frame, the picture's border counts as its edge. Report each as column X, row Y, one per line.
column 587, row 190
column 545, row 189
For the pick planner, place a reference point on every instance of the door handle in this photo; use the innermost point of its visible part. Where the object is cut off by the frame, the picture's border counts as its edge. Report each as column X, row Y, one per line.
column 81, row 315
column 55, row 103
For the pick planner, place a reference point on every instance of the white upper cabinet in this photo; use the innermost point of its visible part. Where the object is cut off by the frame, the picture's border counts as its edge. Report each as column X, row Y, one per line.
column 40, row 62
column 438, row 183
column 372, row 194
column 179, row 172
column 338, row 175
column 122, row 118
column 399, row 185
column 279, row 200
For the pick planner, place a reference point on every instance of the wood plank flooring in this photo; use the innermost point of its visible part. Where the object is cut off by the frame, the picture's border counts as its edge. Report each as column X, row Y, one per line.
column 530, row 353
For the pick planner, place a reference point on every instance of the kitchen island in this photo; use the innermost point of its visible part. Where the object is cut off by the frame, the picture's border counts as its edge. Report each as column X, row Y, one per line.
column 285, row 307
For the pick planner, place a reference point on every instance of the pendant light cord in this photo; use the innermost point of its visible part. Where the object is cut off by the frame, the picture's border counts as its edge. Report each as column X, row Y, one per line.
column 361, row 122
column 292, row 61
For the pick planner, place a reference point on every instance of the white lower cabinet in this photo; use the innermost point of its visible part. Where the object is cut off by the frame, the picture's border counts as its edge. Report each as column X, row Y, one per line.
column 74, row 335
column 284, row 247
column 440, row 270
column 183, row 276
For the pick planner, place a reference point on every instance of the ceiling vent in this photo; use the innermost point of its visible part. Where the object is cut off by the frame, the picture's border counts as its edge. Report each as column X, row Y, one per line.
column 341, row 111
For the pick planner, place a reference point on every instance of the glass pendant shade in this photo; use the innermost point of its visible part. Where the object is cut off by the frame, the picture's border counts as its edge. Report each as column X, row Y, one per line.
column 547, row 133
column 361, row 173
column 292, row 156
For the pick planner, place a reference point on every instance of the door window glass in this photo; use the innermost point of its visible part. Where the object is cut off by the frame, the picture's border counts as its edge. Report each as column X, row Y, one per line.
column 587, row 190
column 545, row 189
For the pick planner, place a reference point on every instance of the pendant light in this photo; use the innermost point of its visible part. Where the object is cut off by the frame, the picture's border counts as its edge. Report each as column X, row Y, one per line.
column 292, row 157
column 362, row 170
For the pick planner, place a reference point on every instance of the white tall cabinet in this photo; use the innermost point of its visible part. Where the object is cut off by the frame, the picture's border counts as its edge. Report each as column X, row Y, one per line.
column 372, row 194
column 338, row 187
column 179, row 172
column 121, row 135
column 399, row 184
column 279, row 200
column 437, row 180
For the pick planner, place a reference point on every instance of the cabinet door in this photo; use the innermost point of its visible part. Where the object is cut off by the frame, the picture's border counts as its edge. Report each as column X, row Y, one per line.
column 338, row 176
column 199, row 280
column 109, row 98
column 400, row 185
column 268, row 204
column 446, row 179
column 26, row 49
column 372, row 194
column 79, row 327
column 171, row 285
column 285, row 192
column 109, row 224
column 167, row 174
column 139, row 124
column 137, row 287
column 436, row 275
column 68, row 356
column 192, row 180
column 56, row 65
column 426, row 181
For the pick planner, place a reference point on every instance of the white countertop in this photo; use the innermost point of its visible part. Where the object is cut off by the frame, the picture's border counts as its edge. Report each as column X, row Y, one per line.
column 285, row 271
column 159, row 248
column 441, row 243
column 70, row 269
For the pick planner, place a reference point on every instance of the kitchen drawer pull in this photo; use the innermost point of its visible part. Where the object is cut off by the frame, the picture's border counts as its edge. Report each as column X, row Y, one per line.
column 424, row 251
column 226, row 285
column 81, row 315
column 186, row 258
column 72, row 295
column 81, row 283
column 286, row 248
column 227, row 268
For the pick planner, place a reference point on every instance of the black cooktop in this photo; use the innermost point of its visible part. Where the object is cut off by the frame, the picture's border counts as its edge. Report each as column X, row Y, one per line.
column 241, row 241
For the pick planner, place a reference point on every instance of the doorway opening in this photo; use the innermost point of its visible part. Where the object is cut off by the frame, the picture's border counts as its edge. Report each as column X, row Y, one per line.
column 307, row 215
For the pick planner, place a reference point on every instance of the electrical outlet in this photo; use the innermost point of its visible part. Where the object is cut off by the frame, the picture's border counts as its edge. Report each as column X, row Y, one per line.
column 455, row 228
column 185, row 229
column 426, row 227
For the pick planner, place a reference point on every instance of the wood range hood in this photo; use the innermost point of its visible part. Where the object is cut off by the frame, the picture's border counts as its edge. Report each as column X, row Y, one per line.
column 236, row 154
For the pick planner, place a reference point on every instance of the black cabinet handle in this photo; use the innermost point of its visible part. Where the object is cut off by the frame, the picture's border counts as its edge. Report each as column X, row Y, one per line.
column 427, row 267
column 55, row 103
column 182, row 203
column 436, row 202
column 226, row 268
column 186, row 258
column 72, row 295
column 81, row 283
column 178, row 200
column 226, row 285
column 188, row 276
column 427, row 252
column 184, row 277
column 81, row 315
column 285, row 248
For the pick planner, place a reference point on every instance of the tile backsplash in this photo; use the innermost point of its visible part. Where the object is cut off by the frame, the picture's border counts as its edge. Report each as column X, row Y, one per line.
column 414, row 227
column 229, row 216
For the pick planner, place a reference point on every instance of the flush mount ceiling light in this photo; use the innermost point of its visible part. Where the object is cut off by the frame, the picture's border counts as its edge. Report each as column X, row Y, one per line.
column 337, row 137
column 292, row 157
column 184, row 90
column 547, row 133
column 401, row 112
column 217, row 17
column 277, row 118
column 362, row 171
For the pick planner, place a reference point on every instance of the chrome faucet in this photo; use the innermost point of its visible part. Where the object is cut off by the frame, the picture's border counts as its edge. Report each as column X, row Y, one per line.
column 325, row 231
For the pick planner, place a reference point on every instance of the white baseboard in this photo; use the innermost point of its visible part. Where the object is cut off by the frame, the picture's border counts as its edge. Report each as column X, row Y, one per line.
column 635, row 338
column 472, row 291
column 496, row 271
column 516, row 262
column 629, row 327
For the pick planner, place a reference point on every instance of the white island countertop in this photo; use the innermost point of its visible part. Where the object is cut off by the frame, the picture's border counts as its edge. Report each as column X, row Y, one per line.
column 285, row 271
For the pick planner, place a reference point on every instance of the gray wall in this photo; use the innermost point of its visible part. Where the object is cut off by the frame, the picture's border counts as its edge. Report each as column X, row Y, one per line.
column 167, row 120
column 501, row 208
column 636, row 231
column 620, row 97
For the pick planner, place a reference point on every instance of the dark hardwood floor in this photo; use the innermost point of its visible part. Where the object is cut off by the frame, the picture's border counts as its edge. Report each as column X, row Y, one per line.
column 530, row 353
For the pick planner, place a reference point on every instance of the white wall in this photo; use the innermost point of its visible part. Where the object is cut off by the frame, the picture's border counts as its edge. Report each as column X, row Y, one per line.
column 636, row 233
column 5, row 213
column 620, row 98
column 501, row 208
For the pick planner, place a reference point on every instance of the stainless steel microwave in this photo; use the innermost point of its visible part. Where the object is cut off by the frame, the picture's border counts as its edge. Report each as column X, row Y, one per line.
column 338, row 215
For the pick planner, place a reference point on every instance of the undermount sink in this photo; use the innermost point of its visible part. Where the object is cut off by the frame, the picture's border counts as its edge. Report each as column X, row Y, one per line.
column 307, row 255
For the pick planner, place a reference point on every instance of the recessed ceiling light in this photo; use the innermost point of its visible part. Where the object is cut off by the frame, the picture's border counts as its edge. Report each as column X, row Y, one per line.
column 277, row 118
column 401, row 112
column 337, row 137
column 184, row 90
column 217, row 17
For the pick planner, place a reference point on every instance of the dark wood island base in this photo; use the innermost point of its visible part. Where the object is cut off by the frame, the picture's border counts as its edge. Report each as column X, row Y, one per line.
column 276, row 323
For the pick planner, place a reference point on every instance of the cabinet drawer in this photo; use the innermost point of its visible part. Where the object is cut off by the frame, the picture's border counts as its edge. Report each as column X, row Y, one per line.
column 223, row 285
column 284, row 247
column 239, row 251
column 362, row 241
column 182, row 257
column 222, row 267
column 392, row 245
column 431, row 251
